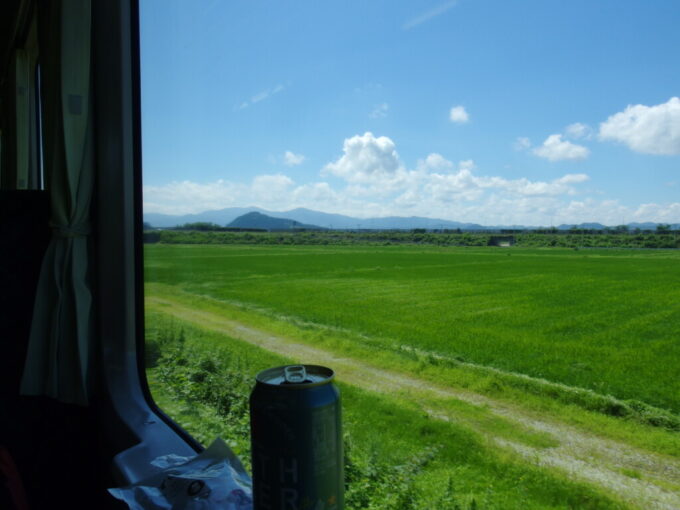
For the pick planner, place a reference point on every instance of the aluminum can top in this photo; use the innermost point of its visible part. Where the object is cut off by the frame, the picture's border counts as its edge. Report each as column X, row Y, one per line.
column 296, row 377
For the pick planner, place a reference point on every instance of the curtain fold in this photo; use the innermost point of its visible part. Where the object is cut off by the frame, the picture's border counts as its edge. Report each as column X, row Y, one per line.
column 59, row 358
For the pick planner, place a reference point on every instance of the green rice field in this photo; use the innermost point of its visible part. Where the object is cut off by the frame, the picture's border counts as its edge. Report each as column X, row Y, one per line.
column 605, row 320
column 472, row 378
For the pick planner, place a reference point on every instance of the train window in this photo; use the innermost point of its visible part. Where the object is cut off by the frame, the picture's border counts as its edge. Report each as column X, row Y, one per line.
column 439, row 200
column 21, row 147
column 37, row 166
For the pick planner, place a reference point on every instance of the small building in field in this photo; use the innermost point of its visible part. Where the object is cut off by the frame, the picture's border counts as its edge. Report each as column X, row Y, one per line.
column 501, row 241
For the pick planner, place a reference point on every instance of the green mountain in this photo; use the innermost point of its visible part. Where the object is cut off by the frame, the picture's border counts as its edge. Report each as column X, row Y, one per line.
column 262, row 221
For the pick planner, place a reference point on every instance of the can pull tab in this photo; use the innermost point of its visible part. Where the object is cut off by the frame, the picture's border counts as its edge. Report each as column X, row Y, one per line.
column 295, row 374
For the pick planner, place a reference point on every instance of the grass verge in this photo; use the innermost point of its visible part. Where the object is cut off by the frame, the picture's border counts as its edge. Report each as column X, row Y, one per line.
column 397, row 456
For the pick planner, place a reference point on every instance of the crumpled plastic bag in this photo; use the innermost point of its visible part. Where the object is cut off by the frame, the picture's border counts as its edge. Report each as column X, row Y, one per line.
column 213, row 479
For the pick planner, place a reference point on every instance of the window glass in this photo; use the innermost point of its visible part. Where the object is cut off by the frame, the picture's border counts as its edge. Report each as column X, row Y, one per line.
column 469, row 209
column 37, row 169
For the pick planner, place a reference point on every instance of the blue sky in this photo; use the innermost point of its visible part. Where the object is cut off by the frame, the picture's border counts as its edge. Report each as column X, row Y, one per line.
column 498, row 112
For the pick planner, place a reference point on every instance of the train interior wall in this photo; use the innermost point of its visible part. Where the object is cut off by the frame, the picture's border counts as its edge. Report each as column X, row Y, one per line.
column 55, row 447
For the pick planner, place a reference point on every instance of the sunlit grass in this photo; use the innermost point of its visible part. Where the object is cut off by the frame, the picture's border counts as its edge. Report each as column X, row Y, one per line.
column 397, row 450
column 587, row 410
column 605, row 320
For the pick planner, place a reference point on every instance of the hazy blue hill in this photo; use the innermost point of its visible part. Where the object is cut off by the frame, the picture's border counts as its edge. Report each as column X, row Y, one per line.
column 583, row 226
column 644, row 226
column 651, row 226
column 262, row 221
column 220, row 217
column 224, row 217
column 327, row 220
column 339, row 221
column 307, row 216
column 398, row 222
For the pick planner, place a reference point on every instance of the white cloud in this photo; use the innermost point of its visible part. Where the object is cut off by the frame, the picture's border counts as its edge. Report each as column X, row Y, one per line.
column 611, row 212
column 292, row 159
column 436, row 181
column 556, row 149
column 380, row 111
column 458, row 115
column 522, row 143
column 658, row 213
column 260, row 96
column 435, row 162
column 460, row 195
column 366, row 159
column 428, row 15
column 375, row 182
column 646, row 129
column 465, row 181
column 270, row 187
column 453, row 187
column 186, row 197
column 578, row 130
column 466, row 164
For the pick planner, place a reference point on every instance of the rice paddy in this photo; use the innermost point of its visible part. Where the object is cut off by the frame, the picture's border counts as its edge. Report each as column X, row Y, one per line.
column 604, row 320
column 472, row 377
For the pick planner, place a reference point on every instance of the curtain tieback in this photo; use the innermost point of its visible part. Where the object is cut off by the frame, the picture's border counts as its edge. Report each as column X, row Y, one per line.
column 75, row 230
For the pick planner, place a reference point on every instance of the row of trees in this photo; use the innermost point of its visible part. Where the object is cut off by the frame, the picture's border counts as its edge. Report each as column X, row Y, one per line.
column 335, row 237
column 206, row 226
column 661, row 228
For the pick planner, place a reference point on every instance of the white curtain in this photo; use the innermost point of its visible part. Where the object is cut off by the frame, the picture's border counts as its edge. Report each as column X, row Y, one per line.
column 59, row 359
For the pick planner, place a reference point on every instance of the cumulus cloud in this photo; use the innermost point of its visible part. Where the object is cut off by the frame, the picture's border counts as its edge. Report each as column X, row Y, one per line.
column 578, row 130
column 380, row 111
column 435, row 162
column 466, row 164
column 658, row 213
column 270, row 187
column 458, row 115
column 292, row 159
column 457, row 194
column 375, row 182
column 366, row 159
column 187, row 197
column 465, row 181
column 646, row 129
column 184, row 197
column 556, row 149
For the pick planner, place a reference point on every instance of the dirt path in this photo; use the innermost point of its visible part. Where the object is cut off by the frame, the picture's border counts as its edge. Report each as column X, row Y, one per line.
column 584, row 456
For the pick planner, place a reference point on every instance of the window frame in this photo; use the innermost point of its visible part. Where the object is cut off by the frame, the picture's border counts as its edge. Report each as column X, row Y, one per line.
column 138, row 431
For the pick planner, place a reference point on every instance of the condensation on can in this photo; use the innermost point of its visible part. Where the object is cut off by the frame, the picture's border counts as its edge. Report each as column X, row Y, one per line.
column 296, row 439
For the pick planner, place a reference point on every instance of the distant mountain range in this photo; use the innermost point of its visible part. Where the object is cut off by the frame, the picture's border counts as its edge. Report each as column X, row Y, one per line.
column 306, row 218
column 224, row 217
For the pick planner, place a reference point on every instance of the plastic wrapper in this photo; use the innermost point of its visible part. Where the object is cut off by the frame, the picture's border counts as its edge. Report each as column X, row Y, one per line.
column 214, row 479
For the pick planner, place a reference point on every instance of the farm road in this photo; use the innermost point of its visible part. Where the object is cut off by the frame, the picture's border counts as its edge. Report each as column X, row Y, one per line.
column 583, row 456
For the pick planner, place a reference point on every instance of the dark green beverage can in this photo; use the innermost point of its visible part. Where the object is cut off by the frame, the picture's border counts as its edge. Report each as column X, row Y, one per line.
column 296, row 439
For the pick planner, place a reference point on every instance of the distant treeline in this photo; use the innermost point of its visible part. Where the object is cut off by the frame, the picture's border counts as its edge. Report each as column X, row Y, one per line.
column 542, row 238
column 204, row 226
